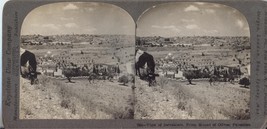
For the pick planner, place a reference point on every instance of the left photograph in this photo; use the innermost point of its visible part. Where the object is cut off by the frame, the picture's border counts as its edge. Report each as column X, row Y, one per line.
column 77, row 62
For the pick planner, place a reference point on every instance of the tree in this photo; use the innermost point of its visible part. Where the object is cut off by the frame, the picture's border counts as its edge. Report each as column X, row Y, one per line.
column 190, row 75
column 115, row 69
column 118, row 69
column 244, row 81
column 70, row 72
column 94, row 70
column 105, row 70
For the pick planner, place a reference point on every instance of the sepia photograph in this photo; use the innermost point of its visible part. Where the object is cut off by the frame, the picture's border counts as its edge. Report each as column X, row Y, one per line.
column 85, row 60
column 192, row 62
column 77, row 62
column 134, row 64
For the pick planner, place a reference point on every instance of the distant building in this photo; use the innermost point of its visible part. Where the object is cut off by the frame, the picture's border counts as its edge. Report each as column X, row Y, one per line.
column 49, row 72
column 179, row 75
column 170, row 74
column 58, row 73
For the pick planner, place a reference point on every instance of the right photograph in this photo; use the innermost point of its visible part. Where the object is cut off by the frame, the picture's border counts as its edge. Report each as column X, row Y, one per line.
column 192, row 62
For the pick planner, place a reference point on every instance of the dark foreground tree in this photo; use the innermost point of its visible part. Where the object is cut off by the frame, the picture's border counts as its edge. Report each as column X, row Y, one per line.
column 191, row 74
column 70, row 72
column 244, row 81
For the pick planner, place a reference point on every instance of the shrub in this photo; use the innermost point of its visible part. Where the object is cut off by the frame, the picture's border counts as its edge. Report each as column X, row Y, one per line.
column 123, row 79
column 65, row 103
column 68, row 104
column 237, row 114
column 244, row 81
column 124, row 114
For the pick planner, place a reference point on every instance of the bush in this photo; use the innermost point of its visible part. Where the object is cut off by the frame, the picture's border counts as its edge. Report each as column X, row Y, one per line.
column 124, row 114
column 182, row 104
column 123, row 79
column 65, row 103
column 132, row 78
column 237, row 114
column 244, row 81
column 70, row 72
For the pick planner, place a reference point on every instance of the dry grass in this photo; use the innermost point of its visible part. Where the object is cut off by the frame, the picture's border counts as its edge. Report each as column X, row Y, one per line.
column 237, row 114
column 156, row 103
column 97, row 107
column 127, row 113
column 169, row 99
column 162, row 81
column 203, row 102
column 200, row 101
column 57, row 99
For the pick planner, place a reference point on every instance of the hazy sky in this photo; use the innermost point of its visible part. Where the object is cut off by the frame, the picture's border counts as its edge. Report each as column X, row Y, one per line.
column 78, row 18
column 192, row 18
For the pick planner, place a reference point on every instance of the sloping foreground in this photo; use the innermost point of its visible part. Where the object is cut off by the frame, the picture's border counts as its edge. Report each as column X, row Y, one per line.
column 171, row 99
column 56, row 99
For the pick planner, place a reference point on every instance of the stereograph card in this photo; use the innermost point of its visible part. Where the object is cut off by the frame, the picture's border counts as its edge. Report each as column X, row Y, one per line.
column 134, row 64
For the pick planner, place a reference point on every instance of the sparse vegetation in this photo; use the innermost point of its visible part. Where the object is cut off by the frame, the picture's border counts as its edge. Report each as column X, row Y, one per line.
column 124, row 114
column 77, row 100
column 199, row 101
column 104, row 100
column 237, row 114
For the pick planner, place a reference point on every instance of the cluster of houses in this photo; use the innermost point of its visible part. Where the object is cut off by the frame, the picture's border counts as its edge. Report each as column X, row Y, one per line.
column 53, row 65
column 173, row 66
column 201, row 52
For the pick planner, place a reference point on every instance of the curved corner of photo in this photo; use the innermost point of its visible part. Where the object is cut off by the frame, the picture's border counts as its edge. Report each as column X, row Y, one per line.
column 91, row 60
column 77, row 62
column 201, row 66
